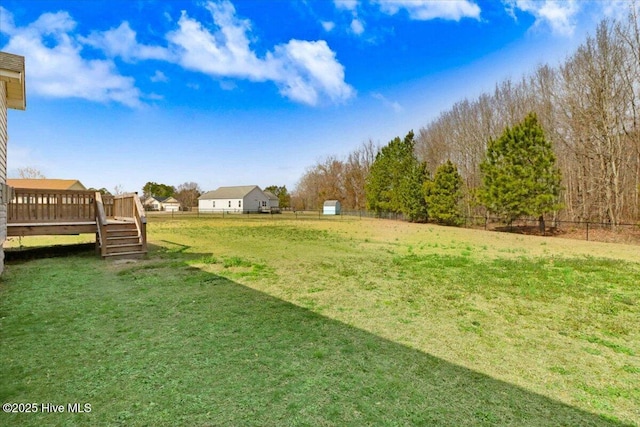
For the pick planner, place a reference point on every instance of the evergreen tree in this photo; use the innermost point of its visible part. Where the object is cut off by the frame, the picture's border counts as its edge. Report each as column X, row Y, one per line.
column 520, row 177
column 284, row 198
column 414, row 206
column 443, row 195
column 395, row 180
column 153, row 189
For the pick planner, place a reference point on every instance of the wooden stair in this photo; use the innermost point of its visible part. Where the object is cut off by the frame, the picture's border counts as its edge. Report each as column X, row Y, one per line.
column 124, row 234
column 123, row 240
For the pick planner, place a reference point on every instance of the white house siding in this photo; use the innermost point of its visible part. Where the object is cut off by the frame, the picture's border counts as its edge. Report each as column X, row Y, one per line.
column 3, row 169
column 250, row 202
column 221, row 205
column 255, row 201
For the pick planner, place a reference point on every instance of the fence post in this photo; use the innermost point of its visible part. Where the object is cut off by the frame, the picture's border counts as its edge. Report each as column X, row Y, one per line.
column 587, row 230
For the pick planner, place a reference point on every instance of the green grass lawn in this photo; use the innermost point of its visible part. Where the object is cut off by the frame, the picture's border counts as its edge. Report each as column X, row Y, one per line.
column 277, row 321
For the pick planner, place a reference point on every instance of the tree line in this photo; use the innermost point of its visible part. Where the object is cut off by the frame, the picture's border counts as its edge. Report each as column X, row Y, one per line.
column 588, row 108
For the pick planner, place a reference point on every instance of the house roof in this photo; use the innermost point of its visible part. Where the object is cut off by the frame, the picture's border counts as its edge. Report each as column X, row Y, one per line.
column 229, row 192
column 162, row 200
column 157, row 199
column 270, row 195
column 331, row 203
column 12, row 73
column 46, row 184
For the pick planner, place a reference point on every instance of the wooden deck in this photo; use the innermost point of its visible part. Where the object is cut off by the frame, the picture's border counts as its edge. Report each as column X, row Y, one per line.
column 118, row 222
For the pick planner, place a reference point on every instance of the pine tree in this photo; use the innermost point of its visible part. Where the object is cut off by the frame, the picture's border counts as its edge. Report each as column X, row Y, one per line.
column 520, row 177
column 395, row 180
column 414, row 206
column 443, row 195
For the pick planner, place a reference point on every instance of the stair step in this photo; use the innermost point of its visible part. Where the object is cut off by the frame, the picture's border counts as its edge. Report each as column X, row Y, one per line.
column 127, row 247
column 121, row 240
column 122, row 233
column 128, row 255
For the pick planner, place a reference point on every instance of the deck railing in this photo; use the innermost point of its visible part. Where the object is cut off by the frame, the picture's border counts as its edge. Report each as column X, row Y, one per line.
column 101, row 220
column 53, row 212
column 51, row 206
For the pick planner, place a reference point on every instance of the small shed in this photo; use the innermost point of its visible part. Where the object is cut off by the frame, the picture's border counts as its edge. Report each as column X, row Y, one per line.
column 331, row 207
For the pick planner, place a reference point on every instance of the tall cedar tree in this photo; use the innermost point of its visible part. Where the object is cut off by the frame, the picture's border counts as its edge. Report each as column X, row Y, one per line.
column 153, row 189
column 443, row 195
column 395, row 181
column 520, row 177
column 284, row 198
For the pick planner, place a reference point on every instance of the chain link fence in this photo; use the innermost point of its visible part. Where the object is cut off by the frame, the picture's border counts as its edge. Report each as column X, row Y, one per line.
column 585, row 230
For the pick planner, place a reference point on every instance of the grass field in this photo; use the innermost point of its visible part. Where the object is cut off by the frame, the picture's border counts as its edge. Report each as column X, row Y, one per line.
column 277, row 321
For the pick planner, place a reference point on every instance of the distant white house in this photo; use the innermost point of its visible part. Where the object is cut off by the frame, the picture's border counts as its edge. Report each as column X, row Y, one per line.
column 240, row 199
column 167, row 204
column 170, row 204
column 331, row 207
column 274, row 202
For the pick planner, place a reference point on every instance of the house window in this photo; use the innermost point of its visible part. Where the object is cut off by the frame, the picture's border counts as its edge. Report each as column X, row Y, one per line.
column 264, row 204
column 239, row 203
column 229, row 203
column 213, row 204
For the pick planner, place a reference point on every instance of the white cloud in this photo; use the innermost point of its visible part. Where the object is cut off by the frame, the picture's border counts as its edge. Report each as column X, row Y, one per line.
column 304, row 71
column 159, row 76
column 558, row 15
column 7, row 25
column 617, row 9
column 424, row 10
column 122, row 42
column 328, row 25
column 394, row 105
column 308, row 70
column 57, row 69
column 357, row 26
column 228, row 85
column 346, row 4
column 226, row 52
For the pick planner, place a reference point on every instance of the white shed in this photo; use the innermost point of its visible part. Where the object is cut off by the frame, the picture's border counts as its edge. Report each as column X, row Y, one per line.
column 240, row 199
column 331, row 207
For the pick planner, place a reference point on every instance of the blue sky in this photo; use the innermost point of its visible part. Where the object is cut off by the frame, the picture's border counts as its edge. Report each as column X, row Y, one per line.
column 120, row 93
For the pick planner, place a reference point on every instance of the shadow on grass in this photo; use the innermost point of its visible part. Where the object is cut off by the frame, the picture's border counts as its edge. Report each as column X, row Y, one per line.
column 159, row 342
column 52, row 251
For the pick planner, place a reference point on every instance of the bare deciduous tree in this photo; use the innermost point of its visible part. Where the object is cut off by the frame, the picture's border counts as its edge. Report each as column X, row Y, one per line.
column 29, row 172
column 589, row 107
column 187, row 194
